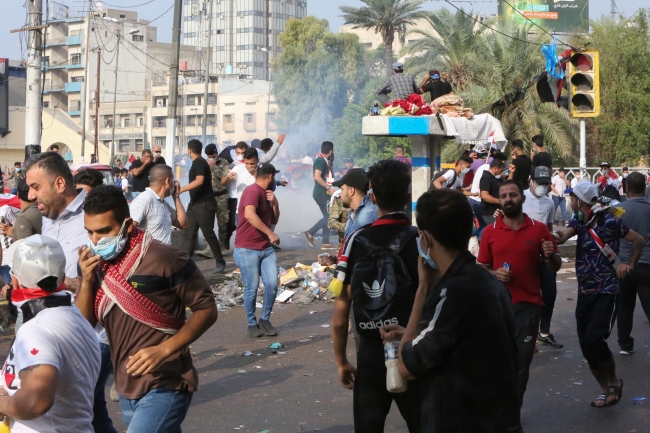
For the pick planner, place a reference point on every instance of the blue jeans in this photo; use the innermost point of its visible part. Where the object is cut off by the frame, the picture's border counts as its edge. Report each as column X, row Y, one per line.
column 135, row 194
column 253, row 263
column 159, row 411
column 559, row 201
column 101, row 421
column 4, row 272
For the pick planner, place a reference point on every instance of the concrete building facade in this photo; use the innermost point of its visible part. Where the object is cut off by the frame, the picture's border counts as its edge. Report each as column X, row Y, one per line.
column 245, row 33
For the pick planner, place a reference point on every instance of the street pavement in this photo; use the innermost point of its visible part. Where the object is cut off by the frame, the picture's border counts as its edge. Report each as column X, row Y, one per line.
column 297, row 389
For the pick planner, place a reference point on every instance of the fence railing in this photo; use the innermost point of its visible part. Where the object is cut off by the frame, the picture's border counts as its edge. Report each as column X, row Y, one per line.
column 593, row 173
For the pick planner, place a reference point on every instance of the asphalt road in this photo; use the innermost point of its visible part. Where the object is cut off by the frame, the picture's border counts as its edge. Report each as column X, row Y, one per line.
column 298, row 390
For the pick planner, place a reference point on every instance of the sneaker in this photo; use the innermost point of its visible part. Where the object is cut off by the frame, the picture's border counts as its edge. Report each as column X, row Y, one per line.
column 549, row 340
column 268, row 329
column 207, row 252
column 220, row 268
column 310, row 238
column 626, row 352
column 327, row 247
column 113, row 394
column 255, row 332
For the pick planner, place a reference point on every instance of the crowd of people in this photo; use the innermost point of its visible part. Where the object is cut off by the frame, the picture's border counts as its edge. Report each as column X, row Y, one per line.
column 99, row 289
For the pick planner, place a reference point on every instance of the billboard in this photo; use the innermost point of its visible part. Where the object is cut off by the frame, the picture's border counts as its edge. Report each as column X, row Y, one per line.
column 559, row 16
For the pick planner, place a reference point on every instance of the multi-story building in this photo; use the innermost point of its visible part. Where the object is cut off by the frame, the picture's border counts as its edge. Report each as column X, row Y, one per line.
column 245, row 33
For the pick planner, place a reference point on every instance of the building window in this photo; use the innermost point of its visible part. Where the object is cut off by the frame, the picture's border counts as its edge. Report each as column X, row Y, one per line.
column 75, row 59
column 191, row 100
column 212, row 120
column 45, row 60
column 137, row 38
column 108, row 121
column 46, row 104
column 140, row 121
column 78, row 79
column 191, row 120
column 270, row 121
column 159, row 141
column 249, row 121
column 160, row 101
column 227, row 122
column 159, row 122
column 212, row 98
column 139, row 145
column 123, row 146
column 126, row 121
column 122, row 16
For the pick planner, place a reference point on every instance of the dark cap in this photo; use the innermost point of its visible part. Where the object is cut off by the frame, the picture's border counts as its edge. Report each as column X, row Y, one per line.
column 434, row 74
column 356, row 178
column 542, row 174
column 605, row 164
column 349, row 159
column 266, row 168
column 256, row 143
column 211, row 149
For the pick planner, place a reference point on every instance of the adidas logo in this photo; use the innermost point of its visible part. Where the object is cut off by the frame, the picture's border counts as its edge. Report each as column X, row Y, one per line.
column 378, row 324
column 375, row 291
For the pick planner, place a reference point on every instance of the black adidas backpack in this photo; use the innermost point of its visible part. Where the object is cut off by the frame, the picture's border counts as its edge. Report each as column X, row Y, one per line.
column 381, row 285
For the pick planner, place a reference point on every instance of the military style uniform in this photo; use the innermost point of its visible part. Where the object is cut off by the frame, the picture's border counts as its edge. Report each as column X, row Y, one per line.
column 220, row 170
column 338, row 218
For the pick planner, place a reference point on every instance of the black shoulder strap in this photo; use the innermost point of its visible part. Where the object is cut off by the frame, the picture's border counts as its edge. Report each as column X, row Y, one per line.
column 403, row 238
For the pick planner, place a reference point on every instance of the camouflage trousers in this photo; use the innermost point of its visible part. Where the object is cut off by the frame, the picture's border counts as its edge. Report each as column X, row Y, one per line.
column 222, row 220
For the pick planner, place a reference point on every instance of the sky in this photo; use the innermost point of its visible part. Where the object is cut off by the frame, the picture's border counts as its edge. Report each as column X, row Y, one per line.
column 14, row 15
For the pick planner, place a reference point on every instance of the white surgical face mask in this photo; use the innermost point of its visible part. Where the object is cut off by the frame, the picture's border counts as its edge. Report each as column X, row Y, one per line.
column 541, row 190
column 240, row 157
column 497, row 176
column 465, row 170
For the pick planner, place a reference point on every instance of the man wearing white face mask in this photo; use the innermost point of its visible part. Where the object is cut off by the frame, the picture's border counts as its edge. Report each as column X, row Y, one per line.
column 453, row 178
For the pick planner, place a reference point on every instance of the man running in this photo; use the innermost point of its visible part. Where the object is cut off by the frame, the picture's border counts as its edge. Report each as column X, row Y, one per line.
column 321, row 194
column 511, row 249
column 598, row 269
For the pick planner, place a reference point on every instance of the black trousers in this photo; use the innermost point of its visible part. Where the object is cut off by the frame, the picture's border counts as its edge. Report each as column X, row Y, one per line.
column 322, row 201
column 637, row 283
column 201, row 216
column 548, row 284
column 526, row 326
column 372, row 401
column 232, row 223
column 595, row 317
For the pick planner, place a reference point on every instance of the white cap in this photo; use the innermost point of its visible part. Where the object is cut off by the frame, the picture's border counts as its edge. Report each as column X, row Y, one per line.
column 35, row 258
column 585, row 191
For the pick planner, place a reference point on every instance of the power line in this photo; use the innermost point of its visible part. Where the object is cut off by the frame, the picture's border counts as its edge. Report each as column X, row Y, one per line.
column 536, row 25
column 493, row 29
column 145, row 53
column 129, row 7
column 161, row 15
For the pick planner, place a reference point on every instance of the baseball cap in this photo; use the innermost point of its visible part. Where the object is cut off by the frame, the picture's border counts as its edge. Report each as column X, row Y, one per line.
column 356, row 178
column 266, row 168
column 256, row 143
column 211, row 149
column 36, row 258
column 585, row 191
column 542, row 174
column 397, row 66
column 434, row 74
column 605, row 164
column 349, row 159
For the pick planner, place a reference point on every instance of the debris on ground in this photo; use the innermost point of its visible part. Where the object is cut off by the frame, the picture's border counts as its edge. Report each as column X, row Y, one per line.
column 301, row 284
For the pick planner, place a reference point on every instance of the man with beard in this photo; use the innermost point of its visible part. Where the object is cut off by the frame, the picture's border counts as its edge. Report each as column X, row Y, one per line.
column 511, row 249
column 354, row 196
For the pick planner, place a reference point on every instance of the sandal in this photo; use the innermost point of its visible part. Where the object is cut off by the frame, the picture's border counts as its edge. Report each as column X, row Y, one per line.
column 616, row 391
column 601, row 397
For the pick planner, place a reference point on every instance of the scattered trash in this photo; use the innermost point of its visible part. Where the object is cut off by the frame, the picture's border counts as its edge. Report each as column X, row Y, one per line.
column 577, row 383
column 241, row 371
column 308, row 374
column 569, row 299
column 325, row 326
column 565, row 260
column 257, row 366
column 312, row 312
column 276, row 345
column 264, row 431
column 639, row 398
column 282, row 353
column 248, row 353
column 284, row 296
column 307, row 340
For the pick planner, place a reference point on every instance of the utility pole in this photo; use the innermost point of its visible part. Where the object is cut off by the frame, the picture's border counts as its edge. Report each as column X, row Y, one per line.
column 583, row 144
column 34, row 102
column 84, row 90
column 170, row 141
column 207, row 77
column 99, row 69
column 111, row 149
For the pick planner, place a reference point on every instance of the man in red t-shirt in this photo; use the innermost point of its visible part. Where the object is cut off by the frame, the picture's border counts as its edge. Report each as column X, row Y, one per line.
column 513, row 249
column 254, row 253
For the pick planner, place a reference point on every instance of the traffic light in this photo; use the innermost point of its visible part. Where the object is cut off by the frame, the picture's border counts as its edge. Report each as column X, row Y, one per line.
column 585, row 83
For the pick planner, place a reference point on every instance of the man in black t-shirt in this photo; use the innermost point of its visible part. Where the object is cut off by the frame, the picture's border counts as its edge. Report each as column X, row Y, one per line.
column 539, row 155
column 436, row 87
column 202, row 209
column 490, row 183
column 389, row 180
column 141, row 167
column 521, row 166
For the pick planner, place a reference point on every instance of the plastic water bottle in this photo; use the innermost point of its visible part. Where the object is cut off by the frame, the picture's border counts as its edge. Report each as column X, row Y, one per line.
column 394, row 382
column 375, row 109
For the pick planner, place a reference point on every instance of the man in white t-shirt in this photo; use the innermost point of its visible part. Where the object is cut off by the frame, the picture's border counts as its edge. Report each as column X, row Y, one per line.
column 453, row 178
column 241, row 176
column 49, row 376
column 559, row 183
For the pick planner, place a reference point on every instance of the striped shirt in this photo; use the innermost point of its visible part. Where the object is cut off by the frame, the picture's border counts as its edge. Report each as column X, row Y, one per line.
column 154, row 215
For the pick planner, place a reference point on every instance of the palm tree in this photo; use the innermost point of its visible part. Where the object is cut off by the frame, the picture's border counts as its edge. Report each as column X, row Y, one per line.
column 449, row 42
column 386, row 17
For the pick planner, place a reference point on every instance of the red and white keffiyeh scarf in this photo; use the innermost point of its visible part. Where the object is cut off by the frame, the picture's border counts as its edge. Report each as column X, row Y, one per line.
column 115, row 289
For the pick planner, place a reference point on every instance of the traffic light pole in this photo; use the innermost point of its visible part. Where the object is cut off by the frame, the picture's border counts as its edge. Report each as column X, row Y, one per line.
column 583, row 144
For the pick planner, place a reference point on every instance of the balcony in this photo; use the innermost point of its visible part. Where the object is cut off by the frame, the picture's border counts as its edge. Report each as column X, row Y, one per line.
column 50, row 86
column 54, row 42
column 73, row 40
column 73, row 87
column 74, row 113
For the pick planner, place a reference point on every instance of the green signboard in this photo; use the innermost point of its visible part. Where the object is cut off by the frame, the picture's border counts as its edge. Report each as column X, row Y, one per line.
column 560, row 16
